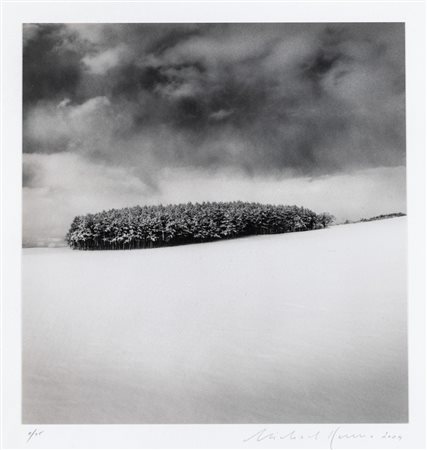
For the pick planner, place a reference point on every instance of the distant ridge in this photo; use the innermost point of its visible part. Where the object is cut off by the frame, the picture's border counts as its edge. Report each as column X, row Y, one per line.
column 380, row 217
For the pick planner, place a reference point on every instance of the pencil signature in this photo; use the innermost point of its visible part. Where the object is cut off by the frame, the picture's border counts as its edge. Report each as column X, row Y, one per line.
column 330, row 438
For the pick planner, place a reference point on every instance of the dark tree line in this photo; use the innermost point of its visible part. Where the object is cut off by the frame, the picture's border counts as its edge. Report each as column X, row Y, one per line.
column 383, row 216
column 156, row 226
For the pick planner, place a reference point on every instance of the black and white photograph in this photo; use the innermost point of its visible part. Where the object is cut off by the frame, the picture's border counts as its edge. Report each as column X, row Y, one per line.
column 214, row 223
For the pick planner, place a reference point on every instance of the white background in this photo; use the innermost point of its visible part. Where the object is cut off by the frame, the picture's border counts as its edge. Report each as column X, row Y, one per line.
column 14, row 435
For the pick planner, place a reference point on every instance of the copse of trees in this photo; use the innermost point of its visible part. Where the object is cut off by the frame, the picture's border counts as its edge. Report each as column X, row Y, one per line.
column 157, row 226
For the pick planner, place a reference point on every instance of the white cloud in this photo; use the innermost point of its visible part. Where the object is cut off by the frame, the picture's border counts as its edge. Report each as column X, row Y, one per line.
column 221, row 114
column 102, row 62
column 29, row 32
column 63, row 103
column 87, row 127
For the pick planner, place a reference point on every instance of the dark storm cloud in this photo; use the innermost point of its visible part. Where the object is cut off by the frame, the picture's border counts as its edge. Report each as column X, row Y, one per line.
column 259, row 98
column 52, row 64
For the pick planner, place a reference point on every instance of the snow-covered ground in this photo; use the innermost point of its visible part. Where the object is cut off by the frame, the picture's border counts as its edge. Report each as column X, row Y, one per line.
column 294, row 328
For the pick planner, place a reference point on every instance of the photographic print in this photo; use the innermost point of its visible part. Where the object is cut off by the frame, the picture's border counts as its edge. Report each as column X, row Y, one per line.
column 214, row 223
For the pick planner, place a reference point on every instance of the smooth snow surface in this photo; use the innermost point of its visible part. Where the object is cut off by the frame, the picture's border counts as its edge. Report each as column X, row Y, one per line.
column 294, row 328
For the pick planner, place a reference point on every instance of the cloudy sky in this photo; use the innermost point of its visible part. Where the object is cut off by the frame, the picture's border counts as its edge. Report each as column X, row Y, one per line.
column 124, row 114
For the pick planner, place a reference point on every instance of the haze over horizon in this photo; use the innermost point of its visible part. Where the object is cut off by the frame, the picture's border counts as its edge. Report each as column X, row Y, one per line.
column 117, row 115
